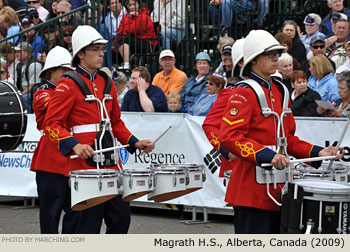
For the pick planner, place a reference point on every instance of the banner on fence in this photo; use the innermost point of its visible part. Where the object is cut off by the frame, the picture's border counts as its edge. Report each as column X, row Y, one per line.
column 184, row 143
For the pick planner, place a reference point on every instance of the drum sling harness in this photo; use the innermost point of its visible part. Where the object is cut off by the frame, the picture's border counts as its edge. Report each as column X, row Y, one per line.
column 269, row 174
column 105, row 137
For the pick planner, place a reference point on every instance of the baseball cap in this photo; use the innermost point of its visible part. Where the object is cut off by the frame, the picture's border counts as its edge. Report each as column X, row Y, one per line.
column 118, row 77
column 24, row 46
column 312, row 19
column 336, row 16
column 321, row 38
column 226, row 49
column 26, row 20
column 166, row 53
column 32, row 10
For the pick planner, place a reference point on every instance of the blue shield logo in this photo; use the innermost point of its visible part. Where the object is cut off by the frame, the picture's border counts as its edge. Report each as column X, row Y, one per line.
column 123, row 155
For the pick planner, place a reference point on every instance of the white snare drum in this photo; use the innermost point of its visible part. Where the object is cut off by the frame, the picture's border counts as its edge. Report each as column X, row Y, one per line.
column 93, row 187
column 325, row 206
column 338, row 172
column 169, row 182
column 136, row 183
column 196, row 176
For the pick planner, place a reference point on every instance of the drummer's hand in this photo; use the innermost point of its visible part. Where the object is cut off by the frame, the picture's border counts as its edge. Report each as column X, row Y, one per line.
column 231, row 157
column 331, row 151
column 84, row 151
column 280, row 161
column 145, row 145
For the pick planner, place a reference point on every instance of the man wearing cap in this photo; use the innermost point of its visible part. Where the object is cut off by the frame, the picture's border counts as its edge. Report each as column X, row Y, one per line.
column 31, row 36
column 143, row 96
column 312, row 25
column 250, row 133
column 69, row 109
column 336, row 7
column 48, row 163
column 41, row 10
column 195, row 86
column 225, row 69
column 27, row 70
column 170, row 79
column 33, row 14
column 121, row 85
column 317, row 47
column 335, row 44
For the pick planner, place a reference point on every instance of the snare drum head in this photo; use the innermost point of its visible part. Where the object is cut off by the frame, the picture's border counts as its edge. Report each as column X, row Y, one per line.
column 13, row 117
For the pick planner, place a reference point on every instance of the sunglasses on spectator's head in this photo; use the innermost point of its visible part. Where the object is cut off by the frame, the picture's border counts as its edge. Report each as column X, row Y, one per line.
column 318, row 46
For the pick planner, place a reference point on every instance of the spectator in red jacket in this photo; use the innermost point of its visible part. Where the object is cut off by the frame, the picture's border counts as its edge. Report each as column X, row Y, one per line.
column 135, row 33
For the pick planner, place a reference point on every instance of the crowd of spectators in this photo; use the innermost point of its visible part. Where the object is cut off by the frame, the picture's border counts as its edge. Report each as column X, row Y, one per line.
column 315, row 64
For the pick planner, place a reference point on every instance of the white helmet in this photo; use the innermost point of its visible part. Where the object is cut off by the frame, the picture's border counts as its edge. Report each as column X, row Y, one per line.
column 237, row 53
column 83, row 36
column 57, row 57
column 256, row 43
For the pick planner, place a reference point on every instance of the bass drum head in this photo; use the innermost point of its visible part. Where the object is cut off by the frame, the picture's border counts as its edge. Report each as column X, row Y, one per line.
column 13, row 117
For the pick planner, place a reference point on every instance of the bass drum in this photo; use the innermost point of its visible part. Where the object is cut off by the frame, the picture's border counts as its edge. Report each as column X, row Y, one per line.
column 13, row 116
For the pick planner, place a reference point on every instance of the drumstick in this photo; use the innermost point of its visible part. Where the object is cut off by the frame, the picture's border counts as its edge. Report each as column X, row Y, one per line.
column 339, row 142
column 104, row 150
column 303, row 160
column 157, row 139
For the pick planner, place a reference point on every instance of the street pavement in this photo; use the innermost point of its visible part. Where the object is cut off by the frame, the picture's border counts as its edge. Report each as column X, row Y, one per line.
column 17, row 219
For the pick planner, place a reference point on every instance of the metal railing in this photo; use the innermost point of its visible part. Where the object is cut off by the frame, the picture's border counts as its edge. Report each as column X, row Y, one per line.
column 203, row 26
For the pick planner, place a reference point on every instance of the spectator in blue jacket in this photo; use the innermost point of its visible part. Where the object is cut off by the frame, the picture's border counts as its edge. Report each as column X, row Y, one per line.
column 143, row 96
column 203, row 104
column 32, row 37
column 196, row 85
column 322, row 79
column 336, row 7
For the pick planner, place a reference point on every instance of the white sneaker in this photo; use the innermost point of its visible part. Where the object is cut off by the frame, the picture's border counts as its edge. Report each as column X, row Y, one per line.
column 125, row 65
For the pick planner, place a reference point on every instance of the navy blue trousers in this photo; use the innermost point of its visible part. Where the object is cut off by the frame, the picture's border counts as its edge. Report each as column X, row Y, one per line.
column 249, row 220
column 115, row 213
column 54, row 196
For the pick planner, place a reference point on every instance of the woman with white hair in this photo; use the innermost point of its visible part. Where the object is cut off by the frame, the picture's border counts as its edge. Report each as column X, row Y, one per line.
column 285, row 68
column 312, row 23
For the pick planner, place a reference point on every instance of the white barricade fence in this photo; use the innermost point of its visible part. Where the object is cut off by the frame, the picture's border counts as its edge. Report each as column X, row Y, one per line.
column 184, row 143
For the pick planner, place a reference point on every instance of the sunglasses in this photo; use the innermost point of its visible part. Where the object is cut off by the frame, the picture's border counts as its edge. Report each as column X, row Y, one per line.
column 68, row 35
column 61, row 13
column 318, row 46
column 210, row 83
column 33, row 2
column 3, row 71
column 34, row 16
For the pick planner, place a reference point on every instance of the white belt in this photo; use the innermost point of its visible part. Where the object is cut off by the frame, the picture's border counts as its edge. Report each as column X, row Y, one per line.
column 85, row 128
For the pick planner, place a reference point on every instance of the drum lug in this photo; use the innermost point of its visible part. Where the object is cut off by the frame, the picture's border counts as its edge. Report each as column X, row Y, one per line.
column 204, row 176
column 119, row 182
column 174, row 181
column 130, row 183
column 100, row 185
column 187, row 179
column 149, row 182
column 76, row 185
column 155, row 181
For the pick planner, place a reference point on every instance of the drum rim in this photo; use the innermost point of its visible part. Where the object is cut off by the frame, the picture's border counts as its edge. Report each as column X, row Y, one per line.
column 94, row 173
column 308, row 188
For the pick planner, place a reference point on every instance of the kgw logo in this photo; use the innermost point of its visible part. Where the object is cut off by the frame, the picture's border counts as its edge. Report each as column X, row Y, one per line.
column 27, row 147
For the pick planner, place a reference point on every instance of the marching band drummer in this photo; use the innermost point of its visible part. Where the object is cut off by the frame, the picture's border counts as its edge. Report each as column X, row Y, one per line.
column 246, row 133
column 68, row 108
column 52, row 184
column 211, row 124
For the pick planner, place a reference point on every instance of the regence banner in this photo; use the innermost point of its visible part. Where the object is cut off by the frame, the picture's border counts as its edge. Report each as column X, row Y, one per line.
column 184, row 143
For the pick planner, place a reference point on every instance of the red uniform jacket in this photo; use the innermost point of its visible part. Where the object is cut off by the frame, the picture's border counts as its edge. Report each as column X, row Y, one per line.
column 245, row 132
column 211, row 127
column 141, row 25
column 68, row 108
column 46, row 157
